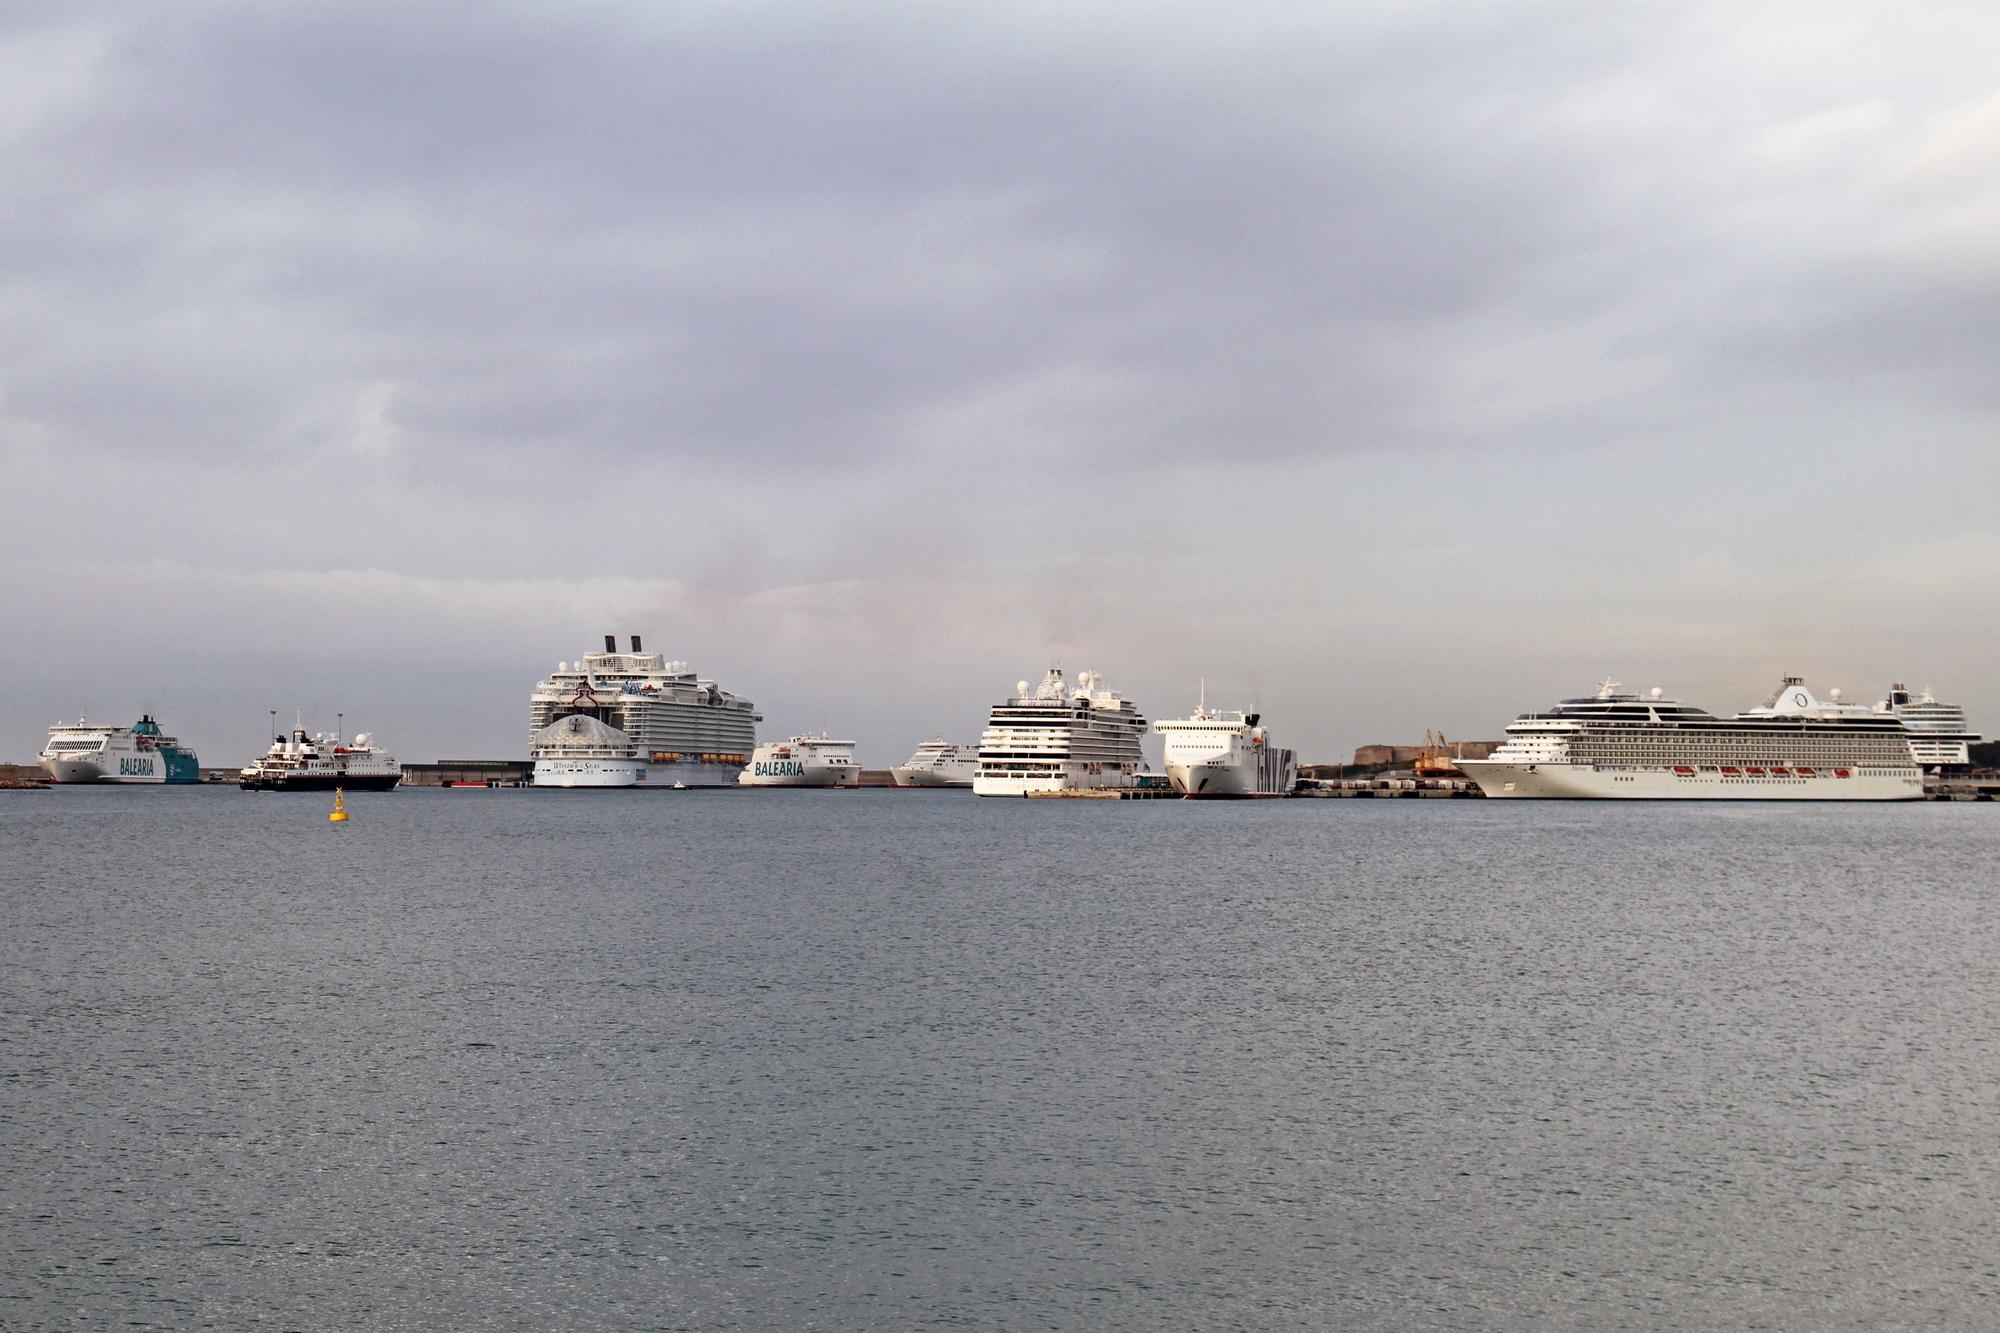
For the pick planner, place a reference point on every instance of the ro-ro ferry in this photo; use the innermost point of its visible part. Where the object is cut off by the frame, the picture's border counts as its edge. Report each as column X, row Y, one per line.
column 1223, row 753
column 86, row 751
column 802, row 761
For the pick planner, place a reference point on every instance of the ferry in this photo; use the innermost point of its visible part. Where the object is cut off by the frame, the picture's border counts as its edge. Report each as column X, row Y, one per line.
column 689, row 731
column 577, row 750
column 1216, row 754
column 802, row 761
column 1611, row 745
column 1057, row 738
column 86, row 751
column 1940, row 737
column 303, row 762
column 939, row 763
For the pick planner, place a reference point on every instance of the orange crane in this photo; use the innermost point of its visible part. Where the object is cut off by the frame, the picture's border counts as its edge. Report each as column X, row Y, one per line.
column 1436, row 761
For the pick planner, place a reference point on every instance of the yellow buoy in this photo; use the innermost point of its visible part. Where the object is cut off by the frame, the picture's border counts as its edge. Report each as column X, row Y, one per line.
column 339, row 815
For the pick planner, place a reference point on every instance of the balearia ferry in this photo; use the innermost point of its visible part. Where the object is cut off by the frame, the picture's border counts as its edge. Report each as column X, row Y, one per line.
column 1797, row 747
column 85, row 751
column 320, row 763
column 802, row 761
column 1224, row 753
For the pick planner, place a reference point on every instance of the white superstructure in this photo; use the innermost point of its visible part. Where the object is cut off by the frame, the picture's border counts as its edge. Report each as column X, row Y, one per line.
column 939, row 763
column 688, row 730
column 1940, row 737
column 802, row 761
column 579, row 751
column 86, row 751
column 321, row 762
column 1796, row 747
column 1055, row 738
column 1224, row 752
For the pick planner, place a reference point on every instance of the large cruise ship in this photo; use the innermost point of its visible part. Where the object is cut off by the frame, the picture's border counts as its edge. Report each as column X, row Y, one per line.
column 86, row 751
column 802, row 761
column 1223, row 753
column 688, row 730
column 1940, row 737
column 579, row 751
column 1056, row 738
column 1796, row 747
column 939, row 763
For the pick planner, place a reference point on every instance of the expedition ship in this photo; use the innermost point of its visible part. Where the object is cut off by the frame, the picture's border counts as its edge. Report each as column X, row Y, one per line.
column 687, row 730
column 1940, row 737
column 1794, row 748
column 86, row 751
column 1060, row 739
column 322, row 763
column 1222, row 753
column 802, row 761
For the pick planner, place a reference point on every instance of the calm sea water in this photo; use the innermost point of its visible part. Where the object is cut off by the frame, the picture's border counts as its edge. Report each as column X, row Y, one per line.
column 872, row 1060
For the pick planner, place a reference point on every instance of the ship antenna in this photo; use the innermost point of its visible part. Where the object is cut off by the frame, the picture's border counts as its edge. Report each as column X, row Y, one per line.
column 340, row 728
column 274, row 724
column 1201, row 707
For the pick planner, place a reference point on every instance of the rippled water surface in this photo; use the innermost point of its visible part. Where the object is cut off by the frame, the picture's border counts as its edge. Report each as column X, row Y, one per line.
column 871, row 1060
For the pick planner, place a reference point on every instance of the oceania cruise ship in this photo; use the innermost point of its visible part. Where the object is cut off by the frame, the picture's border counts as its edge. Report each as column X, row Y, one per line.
column 1796, row 747
column 1939, row 734
column 1056, row 738
column 688, row 730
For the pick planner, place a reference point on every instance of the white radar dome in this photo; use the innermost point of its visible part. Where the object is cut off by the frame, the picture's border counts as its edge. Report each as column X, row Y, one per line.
column 561, row 667
column 1835, row 692
column 361, row 738
column 1084, row 678
column 1020, row 687
column 1658, row 692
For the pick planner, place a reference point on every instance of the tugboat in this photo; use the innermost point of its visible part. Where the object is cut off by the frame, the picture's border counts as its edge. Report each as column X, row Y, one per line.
column 322, row 763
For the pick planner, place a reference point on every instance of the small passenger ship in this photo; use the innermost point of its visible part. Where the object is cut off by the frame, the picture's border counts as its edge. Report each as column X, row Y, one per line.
column 86, row 751
column 1796, row 747
column 939, row 763
column 579, row 751
column 1056, row 738
column 320, row 763
column 802, row 761
column 1940, row 737
column 1217, row 754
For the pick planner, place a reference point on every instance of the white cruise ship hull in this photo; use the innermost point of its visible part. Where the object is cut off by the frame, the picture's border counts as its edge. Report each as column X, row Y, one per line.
column 925, row 776
column 1579, row 782
column 589, row 772
column 1000, row 784
column 690, row 773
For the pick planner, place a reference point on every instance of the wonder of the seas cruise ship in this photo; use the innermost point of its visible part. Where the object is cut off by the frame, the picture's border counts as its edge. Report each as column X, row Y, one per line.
column 688, row 730
column 802, row 761
column 1940, row 737
column 1056, row 738
column 1796, row 747
column 86, row 751
column 579, row 751
column 939, row 763
column 1219, row 753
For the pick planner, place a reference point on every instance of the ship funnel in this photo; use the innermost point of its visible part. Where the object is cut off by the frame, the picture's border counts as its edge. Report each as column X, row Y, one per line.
column 635, row 643
column 611, row 643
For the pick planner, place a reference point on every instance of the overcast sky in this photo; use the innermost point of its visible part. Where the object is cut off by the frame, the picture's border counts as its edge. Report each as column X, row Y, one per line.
column 1393, row 366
